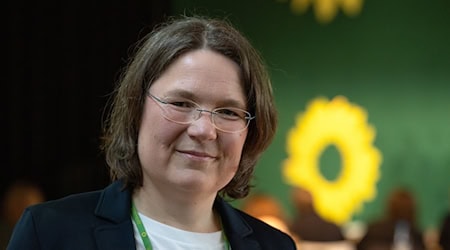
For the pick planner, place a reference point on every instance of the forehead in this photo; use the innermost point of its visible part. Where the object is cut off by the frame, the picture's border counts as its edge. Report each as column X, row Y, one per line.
column 205, row 75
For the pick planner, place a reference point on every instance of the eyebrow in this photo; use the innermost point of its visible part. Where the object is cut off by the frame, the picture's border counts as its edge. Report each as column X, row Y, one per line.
column 190, row 95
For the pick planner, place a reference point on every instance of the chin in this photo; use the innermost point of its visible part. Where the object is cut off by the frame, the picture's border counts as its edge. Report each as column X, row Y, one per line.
column 190, row 182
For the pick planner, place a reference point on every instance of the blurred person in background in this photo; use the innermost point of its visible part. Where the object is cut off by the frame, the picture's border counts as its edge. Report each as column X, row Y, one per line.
column 18, row 196
column 307, row 225
column 397, row 229
column 444, row 236
column 310, row 229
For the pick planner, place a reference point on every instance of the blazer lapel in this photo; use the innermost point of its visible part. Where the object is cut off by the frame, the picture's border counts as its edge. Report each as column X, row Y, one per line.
column 116, row 229
column 236, row 229
column 112, row 237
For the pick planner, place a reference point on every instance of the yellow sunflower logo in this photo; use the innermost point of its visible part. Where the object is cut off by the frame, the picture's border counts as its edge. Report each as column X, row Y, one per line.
column 343, row 125
column 326, row 10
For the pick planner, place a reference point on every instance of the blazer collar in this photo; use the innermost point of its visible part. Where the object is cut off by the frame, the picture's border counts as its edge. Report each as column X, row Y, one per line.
column 114, row 203
column 237, row 230
column 114, row 208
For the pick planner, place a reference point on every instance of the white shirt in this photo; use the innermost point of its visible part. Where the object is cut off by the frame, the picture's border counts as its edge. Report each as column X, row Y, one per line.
column 164, row 237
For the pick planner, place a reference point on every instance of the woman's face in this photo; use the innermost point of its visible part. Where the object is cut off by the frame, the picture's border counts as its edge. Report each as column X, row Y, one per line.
column 196, row 157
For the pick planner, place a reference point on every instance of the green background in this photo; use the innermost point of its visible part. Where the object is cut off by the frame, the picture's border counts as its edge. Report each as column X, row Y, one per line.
column 393, row 59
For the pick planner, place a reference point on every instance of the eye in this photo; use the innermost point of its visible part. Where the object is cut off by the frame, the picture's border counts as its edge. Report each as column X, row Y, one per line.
column 181, row 105
column 230, row 113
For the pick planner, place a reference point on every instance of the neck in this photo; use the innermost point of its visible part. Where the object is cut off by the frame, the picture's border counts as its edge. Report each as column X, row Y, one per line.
column 185, row 212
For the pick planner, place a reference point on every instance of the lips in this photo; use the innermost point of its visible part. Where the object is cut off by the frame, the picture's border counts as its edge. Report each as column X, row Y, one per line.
column 196, row 154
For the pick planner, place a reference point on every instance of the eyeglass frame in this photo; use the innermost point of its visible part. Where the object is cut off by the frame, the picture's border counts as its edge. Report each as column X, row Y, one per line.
column 200, row 110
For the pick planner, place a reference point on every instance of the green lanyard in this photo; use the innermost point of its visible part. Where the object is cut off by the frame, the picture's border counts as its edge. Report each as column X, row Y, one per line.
column 141, row 228
column 144, row 236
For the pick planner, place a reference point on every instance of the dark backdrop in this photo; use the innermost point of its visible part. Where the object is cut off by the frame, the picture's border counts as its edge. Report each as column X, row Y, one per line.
column 62, row 61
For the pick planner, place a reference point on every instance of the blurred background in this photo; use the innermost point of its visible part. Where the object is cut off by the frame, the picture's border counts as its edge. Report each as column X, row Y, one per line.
column 390, row 58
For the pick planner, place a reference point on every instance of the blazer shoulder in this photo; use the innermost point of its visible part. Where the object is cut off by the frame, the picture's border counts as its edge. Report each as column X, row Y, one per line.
column 262, row 228
column 75, row 203
column 84, row 220
column 268, row 236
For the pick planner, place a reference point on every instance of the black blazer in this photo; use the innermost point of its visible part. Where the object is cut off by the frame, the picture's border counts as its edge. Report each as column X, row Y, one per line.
column 101, row 220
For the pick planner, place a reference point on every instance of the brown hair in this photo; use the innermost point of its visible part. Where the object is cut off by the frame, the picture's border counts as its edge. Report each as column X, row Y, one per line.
column 401, row 205
column 154, row 54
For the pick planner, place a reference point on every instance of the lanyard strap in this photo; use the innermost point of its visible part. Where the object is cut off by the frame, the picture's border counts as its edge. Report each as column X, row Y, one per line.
column 141, row 228
column 144, row 236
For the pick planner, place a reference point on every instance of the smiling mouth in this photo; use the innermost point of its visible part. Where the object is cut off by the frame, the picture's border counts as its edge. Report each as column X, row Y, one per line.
column 196, row 155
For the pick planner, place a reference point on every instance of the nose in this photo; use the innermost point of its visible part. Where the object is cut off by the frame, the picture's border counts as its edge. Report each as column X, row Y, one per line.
column 202, row 127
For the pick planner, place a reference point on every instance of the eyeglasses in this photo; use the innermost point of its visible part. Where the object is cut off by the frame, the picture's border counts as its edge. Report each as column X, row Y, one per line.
column 181, row 111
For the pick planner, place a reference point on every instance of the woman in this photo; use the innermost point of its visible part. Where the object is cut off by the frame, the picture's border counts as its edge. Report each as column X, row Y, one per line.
column 191, row 116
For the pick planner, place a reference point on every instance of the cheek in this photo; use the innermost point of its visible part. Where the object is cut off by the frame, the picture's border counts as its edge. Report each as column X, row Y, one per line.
column 234, row 148
column 241, row 138
column 155, row 133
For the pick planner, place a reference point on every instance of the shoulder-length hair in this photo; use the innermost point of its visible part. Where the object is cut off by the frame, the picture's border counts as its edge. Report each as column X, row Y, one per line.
column 153, row 55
